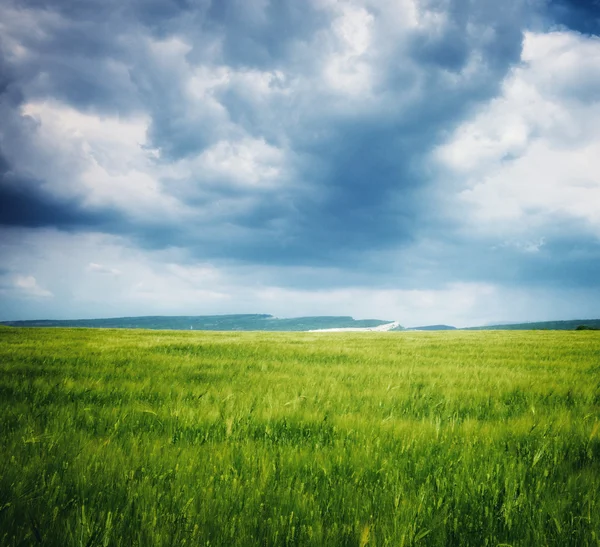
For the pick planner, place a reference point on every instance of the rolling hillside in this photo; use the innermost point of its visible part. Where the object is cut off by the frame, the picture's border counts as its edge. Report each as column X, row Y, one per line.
column 244, row 322
column 266, row 322
column 543, row 325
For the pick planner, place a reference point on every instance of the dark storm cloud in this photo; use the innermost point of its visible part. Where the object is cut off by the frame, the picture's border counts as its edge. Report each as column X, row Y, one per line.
column 371, row 178
column 580, row 15
column 565, row 262
column 24, row 204
column 87, row 56
column 357, row 165
column 23, row 201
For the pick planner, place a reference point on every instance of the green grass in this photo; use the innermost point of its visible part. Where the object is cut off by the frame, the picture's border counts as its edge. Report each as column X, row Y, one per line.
column 119, row 437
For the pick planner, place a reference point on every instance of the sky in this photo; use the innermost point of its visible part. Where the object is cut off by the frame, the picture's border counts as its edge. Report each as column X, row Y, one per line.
column 425, row 161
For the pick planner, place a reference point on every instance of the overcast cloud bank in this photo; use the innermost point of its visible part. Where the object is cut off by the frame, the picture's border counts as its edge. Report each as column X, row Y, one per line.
column 426, row 161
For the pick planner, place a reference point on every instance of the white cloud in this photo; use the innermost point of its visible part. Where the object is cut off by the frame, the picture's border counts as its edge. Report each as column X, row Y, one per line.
column 350, row 65
column 532, row 156
column 25, row 286
column 99, row 159
column 99, row 268
column 353, row 30
column 247, row 162
column 525, row 246
column 564, row 64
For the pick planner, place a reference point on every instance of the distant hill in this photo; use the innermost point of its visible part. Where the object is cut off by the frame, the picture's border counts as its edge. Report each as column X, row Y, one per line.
column 266, row 322
column 433, row 327
column 243, row 322
column 543, row 325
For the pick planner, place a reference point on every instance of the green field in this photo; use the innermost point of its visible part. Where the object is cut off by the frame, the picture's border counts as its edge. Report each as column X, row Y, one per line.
column 124, row 437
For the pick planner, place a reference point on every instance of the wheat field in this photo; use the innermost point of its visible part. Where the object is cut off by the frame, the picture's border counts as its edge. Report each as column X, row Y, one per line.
column 164, row 438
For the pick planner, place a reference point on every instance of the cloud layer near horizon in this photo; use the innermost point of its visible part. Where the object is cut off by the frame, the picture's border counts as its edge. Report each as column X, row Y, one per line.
column 425, row 161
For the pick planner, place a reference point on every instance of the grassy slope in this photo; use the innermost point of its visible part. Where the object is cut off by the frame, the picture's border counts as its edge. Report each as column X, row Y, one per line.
column 168, row 438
